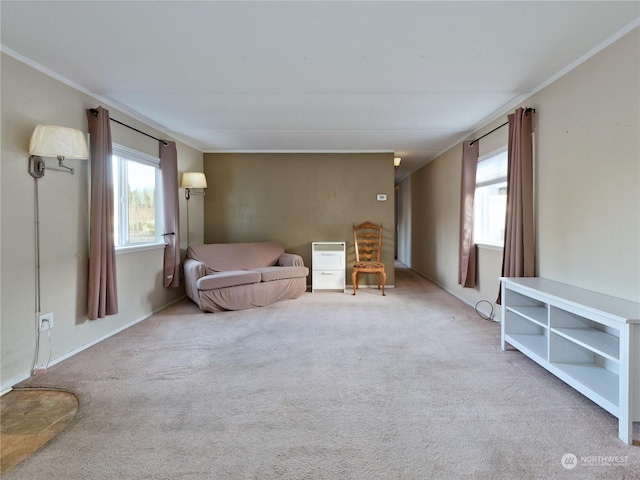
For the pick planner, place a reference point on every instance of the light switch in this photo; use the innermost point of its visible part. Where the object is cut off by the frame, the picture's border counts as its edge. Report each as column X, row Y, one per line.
column 381, row 197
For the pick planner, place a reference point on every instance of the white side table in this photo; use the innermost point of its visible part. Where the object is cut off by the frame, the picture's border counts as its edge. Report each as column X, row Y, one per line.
column 328, row 266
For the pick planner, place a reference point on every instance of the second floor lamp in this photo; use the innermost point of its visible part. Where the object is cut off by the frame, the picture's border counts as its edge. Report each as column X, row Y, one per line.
column 194, row 183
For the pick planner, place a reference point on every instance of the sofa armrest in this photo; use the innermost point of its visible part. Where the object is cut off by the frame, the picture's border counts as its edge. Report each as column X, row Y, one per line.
column 290, row 260
column 193, row 270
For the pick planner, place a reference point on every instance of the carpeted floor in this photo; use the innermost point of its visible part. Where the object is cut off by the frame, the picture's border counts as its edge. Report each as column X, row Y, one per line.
column 329, row 386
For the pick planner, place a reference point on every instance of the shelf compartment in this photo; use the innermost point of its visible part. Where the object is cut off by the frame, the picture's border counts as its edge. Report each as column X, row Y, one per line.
column 335, row 247
column 517, row 323
column 597, row 379
column 536, row 314
column 532, row 345
column 586, row 370
column 596, row 340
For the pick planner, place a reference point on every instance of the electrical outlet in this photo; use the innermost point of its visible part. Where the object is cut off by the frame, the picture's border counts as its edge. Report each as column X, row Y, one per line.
column 46, row 321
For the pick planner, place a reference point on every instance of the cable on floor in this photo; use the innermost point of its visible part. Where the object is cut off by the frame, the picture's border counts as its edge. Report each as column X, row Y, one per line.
column 489, row 318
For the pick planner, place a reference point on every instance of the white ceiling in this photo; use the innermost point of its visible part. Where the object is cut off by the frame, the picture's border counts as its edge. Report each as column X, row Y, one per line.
column 409, row 77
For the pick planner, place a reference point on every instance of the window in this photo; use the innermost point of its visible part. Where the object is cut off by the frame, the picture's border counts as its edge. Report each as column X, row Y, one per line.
column 137, row 198
column 490, row 203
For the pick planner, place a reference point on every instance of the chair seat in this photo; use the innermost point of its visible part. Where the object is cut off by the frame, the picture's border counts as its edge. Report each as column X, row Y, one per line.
column 365, row 265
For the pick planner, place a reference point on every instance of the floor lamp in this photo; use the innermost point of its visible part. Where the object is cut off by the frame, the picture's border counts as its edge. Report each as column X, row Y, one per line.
column 60, row 143
column 194, row 183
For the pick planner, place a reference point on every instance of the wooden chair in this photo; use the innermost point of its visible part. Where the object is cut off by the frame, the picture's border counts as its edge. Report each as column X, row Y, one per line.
column 367, row 238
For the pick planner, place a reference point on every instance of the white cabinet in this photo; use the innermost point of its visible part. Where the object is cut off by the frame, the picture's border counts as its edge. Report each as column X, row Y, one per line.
column 328, row 266
column 589, row 340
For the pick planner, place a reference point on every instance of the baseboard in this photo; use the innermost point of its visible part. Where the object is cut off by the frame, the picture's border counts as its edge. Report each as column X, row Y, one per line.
column 350, row 287
column 463, row 300
column 8, row 386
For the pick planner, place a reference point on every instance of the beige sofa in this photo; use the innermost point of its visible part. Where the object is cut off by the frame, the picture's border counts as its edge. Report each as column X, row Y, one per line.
column 236, row 276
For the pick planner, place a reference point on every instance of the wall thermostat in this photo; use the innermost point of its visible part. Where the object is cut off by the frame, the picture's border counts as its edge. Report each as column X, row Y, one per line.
column 381, row 197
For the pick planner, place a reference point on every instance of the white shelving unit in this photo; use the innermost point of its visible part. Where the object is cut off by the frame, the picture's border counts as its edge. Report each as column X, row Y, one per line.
column 589, row 340
column 328, row 266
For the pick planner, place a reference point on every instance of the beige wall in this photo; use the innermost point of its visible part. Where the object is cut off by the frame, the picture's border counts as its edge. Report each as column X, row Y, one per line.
column 297, row 199
column 30, row 98
column 587, row 144
column 588, row 198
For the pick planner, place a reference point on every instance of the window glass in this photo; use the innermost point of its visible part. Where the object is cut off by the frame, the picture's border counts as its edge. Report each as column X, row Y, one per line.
column 492, row 168
column 137, row 202
column 490, row 201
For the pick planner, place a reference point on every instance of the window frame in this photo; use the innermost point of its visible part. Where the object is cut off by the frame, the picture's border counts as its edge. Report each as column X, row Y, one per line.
column 122, row 155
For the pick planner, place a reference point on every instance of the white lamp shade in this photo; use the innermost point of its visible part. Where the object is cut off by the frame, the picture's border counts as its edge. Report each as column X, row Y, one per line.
column 396, row 161
column 52, row 141
column 194, row 180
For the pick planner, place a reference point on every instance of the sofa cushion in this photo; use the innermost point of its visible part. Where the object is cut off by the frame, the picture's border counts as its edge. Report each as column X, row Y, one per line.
column 279, row 273
column 229, row 278
column 222, row 257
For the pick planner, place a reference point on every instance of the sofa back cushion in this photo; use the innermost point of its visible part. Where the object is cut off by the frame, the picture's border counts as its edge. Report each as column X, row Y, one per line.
column 220, row 257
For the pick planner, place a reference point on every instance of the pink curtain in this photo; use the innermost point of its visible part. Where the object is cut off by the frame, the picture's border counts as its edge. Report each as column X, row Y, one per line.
column 103, row 289
column 169, row 169
column 519, row 253
column 467, row 249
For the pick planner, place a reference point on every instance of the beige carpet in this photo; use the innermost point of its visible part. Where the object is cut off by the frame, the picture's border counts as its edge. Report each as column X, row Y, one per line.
column 329, row 386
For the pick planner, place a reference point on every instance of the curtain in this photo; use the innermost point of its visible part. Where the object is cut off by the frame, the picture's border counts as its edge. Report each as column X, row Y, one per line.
column 467, row 249
column 169, row 170
column 519, row 255
column 103, row 289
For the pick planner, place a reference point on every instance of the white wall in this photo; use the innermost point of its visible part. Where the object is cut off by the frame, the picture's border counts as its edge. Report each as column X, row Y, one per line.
column 587, row 144
column 30, row 98
column 404, row 222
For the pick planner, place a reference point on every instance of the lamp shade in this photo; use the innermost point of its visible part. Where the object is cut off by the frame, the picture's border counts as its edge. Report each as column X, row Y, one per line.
column 396, row 161
column 194, row 180
column 52, row 141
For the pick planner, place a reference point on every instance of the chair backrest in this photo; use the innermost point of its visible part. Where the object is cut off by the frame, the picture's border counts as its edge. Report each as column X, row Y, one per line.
column 367, row 238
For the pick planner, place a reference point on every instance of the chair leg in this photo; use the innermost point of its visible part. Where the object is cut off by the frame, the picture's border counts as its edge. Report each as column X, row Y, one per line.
column 354, row 280
column 384, row 282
